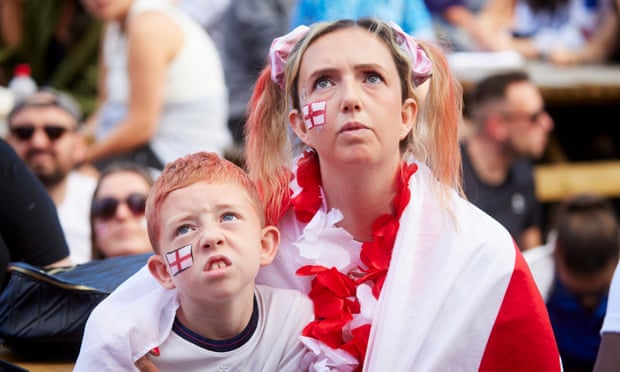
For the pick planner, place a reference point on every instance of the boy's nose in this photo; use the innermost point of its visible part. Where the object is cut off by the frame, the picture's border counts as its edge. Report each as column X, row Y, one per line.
column 211, row 238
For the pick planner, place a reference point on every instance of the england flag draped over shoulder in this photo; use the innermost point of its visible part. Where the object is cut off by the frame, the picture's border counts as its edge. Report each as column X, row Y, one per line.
column 475, row 305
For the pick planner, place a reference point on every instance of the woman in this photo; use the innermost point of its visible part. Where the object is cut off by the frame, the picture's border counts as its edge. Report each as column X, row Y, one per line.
column 161, row 85
column 118, row 226
column 405, row 275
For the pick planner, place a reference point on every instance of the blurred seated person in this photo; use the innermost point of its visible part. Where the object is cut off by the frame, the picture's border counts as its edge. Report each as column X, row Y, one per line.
column 602, row 47
column 29, row 227
column 509, row 129
column 117, row 212
column 467, row 25
column 44, row 130
column 539, row 29
column 573, row 272
column 162, row 92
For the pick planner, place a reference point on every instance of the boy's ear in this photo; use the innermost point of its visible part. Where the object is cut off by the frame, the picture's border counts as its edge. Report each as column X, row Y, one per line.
column 159, row 270
column 269, row 244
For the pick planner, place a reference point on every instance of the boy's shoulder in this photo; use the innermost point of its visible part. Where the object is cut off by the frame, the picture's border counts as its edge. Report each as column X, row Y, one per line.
column 281, row 297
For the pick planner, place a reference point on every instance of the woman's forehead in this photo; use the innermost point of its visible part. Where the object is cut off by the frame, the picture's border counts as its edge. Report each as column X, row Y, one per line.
column 354, row 44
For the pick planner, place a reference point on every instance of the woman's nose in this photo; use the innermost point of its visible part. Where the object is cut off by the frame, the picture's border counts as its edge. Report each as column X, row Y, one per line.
column 351, row 97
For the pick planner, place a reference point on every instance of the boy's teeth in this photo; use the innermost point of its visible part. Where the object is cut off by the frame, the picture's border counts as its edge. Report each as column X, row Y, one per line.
column 217, row 265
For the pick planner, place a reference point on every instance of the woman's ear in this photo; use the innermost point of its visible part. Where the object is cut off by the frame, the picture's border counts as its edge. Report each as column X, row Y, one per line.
column 298, row 125
column 269, row 244
column 159, row 270
column 409, row 112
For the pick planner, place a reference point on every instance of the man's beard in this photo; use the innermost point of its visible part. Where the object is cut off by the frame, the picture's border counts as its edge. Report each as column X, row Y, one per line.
column 47, row 177
column 50, row 179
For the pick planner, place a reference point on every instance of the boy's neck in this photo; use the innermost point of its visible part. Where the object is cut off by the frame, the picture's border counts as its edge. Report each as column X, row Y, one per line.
column 217, row 321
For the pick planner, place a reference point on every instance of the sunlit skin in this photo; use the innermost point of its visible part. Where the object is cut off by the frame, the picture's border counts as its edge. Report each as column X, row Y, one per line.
column 49, row 159
column 228, row 246
column 526, row 138
column 124, row 233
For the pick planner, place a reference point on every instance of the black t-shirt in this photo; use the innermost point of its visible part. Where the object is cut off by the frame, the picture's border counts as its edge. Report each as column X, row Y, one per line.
column 29, row 227
column 513, row 203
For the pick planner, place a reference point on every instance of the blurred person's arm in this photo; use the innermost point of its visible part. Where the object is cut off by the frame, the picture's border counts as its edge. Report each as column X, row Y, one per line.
column 11, row 22
column 530, row 238
column 608, row 357
column 153, row 40
column 597, row 49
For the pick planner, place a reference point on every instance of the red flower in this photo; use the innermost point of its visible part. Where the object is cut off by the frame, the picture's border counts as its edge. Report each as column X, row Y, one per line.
column 309, row 178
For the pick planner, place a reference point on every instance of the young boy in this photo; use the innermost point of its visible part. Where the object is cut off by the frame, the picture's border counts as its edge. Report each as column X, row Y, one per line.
column 207, row 227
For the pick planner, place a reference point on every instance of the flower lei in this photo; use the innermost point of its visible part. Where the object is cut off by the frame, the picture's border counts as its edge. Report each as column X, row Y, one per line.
column 334, row 293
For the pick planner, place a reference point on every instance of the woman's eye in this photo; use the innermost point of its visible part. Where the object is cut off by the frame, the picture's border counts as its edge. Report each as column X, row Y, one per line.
column 322, row 83
column 183, row 229
column 374, row 78
column 229, row 217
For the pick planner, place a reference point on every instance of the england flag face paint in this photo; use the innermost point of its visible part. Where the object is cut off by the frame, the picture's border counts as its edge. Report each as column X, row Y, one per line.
column 314, row 114
column 180, row 259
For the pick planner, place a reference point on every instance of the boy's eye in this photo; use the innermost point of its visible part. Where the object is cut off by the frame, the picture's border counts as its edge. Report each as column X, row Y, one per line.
column 183, row 229
column 229, row 217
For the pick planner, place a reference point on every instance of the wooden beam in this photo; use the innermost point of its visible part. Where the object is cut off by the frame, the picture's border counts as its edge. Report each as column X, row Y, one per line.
column 554, row 182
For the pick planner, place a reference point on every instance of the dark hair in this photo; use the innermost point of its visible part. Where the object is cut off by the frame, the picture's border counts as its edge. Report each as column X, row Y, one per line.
column 113, row 168
column 588, row 237
column 494, row 86
column 48, row 96
column 491, row 89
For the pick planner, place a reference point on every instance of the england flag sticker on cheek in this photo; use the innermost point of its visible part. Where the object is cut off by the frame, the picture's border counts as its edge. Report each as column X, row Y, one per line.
column 314, row 114
column 180, row 259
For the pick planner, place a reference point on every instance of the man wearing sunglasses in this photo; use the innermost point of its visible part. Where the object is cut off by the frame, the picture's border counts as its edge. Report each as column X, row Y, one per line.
column 509, row 130
column 44, row 131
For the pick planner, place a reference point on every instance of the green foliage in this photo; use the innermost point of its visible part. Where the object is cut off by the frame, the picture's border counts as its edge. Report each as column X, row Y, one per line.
column 70, row 66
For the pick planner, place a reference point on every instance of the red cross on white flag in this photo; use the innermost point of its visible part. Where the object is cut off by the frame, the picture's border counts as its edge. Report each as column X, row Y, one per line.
column 180, row 259
column 314, row 114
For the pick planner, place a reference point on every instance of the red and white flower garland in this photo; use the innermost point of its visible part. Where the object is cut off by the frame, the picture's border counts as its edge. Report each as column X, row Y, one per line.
column 335, row 294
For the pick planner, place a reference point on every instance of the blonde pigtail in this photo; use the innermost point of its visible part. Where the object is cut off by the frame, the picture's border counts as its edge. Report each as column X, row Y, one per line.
column 268, row 147
column 442, row 115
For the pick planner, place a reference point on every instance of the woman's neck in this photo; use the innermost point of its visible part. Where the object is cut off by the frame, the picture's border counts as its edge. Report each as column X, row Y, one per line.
column 362, row 194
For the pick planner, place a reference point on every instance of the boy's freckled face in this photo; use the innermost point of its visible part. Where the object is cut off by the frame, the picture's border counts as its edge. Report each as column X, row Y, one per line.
column 221, row 224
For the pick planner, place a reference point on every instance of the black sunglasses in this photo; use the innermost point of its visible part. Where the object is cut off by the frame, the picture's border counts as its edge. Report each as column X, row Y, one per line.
column 25, row 133
column 106, row 208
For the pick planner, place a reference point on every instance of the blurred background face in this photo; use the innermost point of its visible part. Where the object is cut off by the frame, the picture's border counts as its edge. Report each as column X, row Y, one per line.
column 119, row 223
column 46, row 139
column 527, row 122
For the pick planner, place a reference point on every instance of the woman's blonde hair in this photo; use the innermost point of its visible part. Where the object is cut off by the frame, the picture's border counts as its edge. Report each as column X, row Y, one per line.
column 434, row 139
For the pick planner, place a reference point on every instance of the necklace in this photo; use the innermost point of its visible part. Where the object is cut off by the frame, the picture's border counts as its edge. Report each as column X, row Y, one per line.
column 338, row 322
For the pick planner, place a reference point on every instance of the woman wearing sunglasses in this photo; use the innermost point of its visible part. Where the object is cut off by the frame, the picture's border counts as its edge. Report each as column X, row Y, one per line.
column 118, row 227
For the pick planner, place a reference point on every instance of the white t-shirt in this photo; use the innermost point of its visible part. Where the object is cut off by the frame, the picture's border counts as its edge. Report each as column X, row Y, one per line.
column 611, row 323
column 113, row 337
column 274, row 345
column 74, row 214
